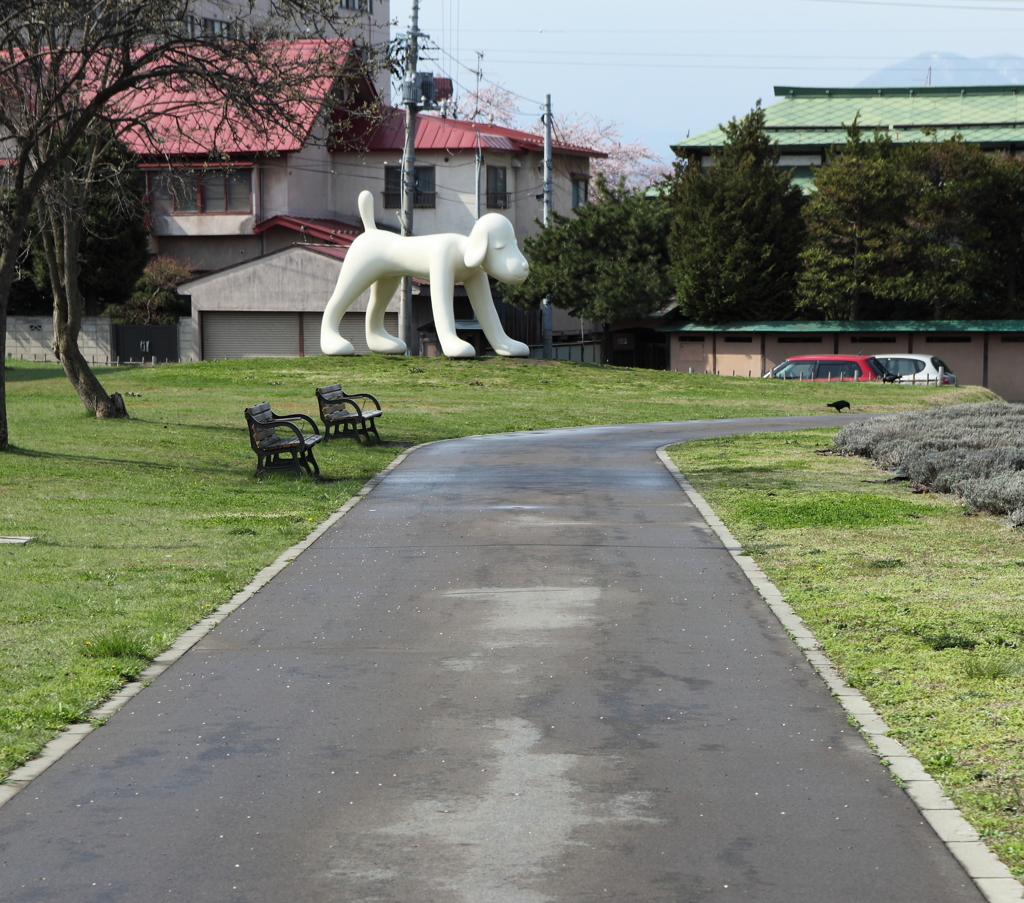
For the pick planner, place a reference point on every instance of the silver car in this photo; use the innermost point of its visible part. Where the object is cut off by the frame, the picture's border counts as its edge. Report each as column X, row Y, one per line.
column 918, row 368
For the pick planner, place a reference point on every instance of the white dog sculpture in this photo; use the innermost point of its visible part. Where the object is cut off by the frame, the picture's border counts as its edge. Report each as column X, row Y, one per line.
column 378, row 260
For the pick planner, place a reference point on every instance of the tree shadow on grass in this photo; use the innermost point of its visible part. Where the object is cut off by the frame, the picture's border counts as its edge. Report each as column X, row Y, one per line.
column 102, row 459
column 32, row 374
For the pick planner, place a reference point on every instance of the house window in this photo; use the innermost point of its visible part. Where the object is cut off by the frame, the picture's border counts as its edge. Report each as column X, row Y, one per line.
column 580, row 190
column 424, row 194
column 213, row 28
column 201, row 191
column 497, row 191
column 362, row 6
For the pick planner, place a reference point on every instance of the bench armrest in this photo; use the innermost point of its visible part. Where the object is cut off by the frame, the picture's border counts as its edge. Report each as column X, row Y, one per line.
column 366, row 395
column 285, row 420
column 342, row 401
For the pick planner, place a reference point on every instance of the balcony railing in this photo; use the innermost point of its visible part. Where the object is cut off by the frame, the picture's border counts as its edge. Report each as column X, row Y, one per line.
column 393, row 199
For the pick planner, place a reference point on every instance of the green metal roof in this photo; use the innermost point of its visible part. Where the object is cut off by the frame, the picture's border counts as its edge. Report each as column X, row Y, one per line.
column 831, row 326
column 813, row 119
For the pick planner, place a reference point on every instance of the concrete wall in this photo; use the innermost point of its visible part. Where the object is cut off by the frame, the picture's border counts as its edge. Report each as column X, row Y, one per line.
column 295, row 279
column 455, row 177
column 31, row 339
column 212, row 252
column 188, row 339
column 1005, row 365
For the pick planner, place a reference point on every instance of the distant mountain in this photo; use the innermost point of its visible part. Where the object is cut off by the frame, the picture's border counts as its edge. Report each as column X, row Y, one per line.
column 948, row 70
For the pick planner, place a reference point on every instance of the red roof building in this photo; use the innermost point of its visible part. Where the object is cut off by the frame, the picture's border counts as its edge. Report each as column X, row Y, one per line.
column 266, row 189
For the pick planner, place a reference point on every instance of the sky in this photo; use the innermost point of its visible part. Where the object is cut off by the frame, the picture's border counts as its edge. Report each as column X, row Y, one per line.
column 662, row 69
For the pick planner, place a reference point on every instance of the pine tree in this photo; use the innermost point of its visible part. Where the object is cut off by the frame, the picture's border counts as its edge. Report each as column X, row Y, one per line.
column 609, row 262
column 930, row 230
column 736, row 230
column 858, row 243
column 951, row 214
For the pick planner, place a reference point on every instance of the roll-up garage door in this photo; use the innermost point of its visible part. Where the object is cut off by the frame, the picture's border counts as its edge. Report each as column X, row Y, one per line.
column 353, row 328
column 237, row 334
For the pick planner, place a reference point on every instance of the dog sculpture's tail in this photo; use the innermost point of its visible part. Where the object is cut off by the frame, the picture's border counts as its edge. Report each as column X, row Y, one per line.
column 366, row 210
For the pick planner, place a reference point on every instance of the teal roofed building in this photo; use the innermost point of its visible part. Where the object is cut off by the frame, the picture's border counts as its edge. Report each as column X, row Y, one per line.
column 807, row 122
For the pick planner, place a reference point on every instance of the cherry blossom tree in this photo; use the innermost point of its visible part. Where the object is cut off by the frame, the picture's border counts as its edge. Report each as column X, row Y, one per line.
column 631, row 163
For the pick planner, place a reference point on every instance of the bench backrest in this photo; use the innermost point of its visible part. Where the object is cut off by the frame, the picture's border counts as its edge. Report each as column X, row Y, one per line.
column 328, row 393
column 258, row 415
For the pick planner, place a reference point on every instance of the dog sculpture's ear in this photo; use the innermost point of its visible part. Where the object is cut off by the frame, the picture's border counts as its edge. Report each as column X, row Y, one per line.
column 476, row 246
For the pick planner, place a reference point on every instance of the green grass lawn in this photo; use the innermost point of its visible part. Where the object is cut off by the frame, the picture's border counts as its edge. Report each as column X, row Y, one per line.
column 142, row 526
column 917, row 604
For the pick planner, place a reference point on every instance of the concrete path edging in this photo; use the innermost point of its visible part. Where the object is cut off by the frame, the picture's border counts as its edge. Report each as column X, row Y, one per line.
column 992, row 877
column 74, row 734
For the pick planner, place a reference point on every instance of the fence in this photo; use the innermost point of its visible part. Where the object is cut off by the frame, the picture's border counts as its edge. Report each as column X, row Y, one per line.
column 101, row 342
column 581, row 352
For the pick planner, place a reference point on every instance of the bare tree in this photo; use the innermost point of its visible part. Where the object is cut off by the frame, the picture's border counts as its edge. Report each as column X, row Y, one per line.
column 61, row 212
column 76, row 73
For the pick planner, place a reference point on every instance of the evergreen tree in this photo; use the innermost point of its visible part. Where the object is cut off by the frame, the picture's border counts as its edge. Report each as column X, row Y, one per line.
column 736, row 230
column 854, row 265
column 113, row 253
column 1004, row 289
column 930, row 230
column 609, row 262
column 155, row 299
column 951, row 211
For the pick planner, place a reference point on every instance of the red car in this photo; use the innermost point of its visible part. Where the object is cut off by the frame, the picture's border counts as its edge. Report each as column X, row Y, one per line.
column 836, row 367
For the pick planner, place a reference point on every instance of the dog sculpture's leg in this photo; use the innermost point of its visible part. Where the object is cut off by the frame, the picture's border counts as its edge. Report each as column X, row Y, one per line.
column 479, row 291
column 377, row 337
column 352, row 282
column 442, row 295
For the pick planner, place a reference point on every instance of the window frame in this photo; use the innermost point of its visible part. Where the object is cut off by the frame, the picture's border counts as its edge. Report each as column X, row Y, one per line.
column 423, row 198
column 497, row 187
column 580, row 188
column 194, row 181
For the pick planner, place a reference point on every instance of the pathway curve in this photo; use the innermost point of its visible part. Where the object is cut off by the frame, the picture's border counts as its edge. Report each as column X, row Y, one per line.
column 523, row 669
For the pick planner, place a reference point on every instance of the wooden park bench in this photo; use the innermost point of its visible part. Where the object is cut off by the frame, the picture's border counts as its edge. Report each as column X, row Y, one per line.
column 279, row 443
column 343, row 414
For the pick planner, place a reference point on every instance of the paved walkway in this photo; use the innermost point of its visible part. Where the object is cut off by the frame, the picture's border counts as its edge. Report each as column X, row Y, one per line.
column 523, row 669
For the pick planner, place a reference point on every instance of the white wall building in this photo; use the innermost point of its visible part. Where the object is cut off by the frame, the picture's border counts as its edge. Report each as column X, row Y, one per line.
column 284, row 187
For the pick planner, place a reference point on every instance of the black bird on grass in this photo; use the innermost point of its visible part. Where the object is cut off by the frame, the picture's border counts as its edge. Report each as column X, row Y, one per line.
column 838, row 405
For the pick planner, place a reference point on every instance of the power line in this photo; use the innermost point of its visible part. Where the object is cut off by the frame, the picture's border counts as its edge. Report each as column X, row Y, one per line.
column 972, row 7
column 605, row 56
column 706, row 66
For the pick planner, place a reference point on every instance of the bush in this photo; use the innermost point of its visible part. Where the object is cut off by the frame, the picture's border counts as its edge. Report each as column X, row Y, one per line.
column 974, row 452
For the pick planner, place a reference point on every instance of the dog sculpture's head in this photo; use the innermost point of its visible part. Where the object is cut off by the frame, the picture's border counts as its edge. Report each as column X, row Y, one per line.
column 492, row 246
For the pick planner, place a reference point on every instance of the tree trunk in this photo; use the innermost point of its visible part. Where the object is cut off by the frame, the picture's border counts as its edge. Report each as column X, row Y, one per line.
column 62, row 213
column 19, row 216
column 606, row 344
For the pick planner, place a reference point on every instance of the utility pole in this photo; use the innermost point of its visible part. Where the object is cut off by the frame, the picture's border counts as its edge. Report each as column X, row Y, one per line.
column 479, row 150
column 410, row 98
column 546, row 316
column 479, row 166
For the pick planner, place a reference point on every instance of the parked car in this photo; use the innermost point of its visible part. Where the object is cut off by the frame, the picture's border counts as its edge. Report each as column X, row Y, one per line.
column 918, row 368
column 831, row 367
